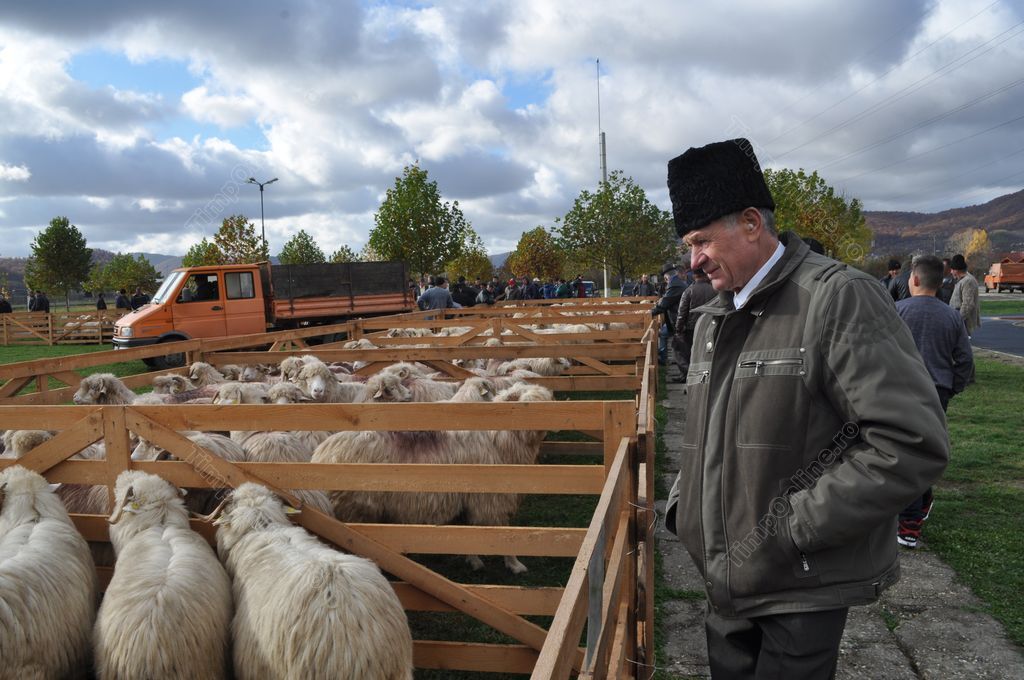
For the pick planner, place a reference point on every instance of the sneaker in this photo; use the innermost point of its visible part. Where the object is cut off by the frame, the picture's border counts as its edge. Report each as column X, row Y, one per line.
column 907, row 541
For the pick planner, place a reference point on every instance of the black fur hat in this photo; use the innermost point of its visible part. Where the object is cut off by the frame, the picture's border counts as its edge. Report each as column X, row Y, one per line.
column 958, row 263
column 714, row 181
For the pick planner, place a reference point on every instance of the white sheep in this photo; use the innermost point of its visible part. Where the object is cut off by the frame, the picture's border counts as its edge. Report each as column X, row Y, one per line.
column 304, row 610
column 171, row 383
column 317, row 380
column 242, row 393
column 103, row 388
column 371, row 446
column 84, row 499
column 545, row 366
column 202, row 374
column 291, row 365
column 501, row 447
column 289, row 393
column 420, row 385
column 268, row 373
column 47, row 582
column 167, row 610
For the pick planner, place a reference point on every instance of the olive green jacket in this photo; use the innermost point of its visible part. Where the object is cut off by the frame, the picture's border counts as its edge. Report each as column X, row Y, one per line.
column 811, row 423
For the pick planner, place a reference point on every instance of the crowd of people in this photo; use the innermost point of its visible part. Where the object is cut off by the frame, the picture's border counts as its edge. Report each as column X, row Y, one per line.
column 465, row 294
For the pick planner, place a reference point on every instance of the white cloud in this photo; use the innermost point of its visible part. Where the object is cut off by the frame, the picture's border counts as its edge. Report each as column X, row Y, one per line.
column 14, row 173
column 224, row 110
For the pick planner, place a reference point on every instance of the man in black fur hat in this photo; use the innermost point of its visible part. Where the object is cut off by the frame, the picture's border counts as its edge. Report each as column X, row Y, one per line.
column 811, row 422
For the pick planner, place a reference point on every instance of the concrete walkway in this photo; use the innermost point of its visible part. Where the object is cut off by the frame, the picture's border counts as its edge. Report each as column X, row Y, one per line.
column 928, row 626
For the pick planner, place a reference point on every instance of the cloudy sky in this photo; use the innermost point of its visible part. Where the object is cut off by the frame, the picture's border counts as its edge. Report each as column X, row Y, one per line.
column 140, row 121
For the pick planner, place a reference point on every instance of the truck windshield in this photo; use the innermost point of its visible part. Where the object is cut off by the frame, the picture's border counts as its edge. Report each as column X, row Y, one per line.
column 169, row 284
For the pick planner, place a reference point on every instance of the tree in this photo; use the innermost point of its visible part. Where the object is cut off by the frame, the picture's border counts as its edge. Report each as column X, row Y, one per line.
column 344, row 254
column 473, row 261
column 808, row 206
column 238, row 242
column 60, row 260
column 202, row 254
column 537, row 255
column 617, row 227
column 301, row 249
column 414, row 226
column 368, row 254
column 974, row 245
column 124, row 271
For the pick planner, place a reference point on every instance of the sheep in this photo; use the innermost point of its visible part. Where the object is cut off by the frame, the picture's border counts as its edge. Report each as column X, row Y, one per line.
column 288, row 393
column 387, row 387
column 171, row 383
column 503, row 382
column 304, row 610
column 47, row 582
column 545, row 366
column 242, row 393
column 508, row 447
column 284, row 447
column 167, row 610
column 408, row 333
column 397, row 447
column 202, row 373
column 103, row 388
column 268, row 373
column 84, row 499
column 290, row 366
column 422, row 387
column 199, row 500
column 231, row 371
column 317, row 380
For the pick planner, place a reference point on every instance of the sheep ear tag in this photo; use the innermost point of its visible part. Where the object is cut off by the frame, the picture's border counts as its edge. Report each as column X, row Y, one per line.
column 379, row 394
column 289, row 510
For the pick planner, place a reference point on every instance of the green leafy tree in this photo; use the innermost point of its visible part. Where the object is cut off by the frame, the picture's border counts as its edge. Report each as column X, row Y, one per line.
column 124, row 271
column 473, row 261
column 369, row 254
column 807, row 205
column 301, row 249
column 239, row 243
column 344, row 254
column 414, row 226
column 617, row 227
column 60, row 260
column 203, row 254
column 537, row 255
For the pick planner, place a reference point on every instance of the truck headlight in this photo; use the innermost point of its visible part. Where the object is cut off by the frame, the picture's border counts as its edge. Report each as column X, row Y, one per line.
column 125, row 331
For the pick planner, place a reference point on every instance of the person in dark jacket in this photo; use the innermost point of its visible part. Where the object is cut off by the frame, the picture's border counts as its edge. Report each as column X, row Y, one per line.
column 5, row 306
column 101, row 303
column 894, row 271
column 695, row 295
column 41, row 303
column 486, row 295
column 941, row 337
column 579, row 290
column 945, row 292
column 899, row 287
column 668, row 306
column 463, row 293
column 810, row 421
column 532, row 289
column 139, row 298
column 122, row 301
column 644, row 287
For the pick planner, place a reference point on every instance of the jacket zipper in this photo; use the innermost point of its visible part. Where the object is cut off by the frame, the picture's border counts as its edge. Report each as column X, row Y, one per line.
column 803, row 561
column 758, row 364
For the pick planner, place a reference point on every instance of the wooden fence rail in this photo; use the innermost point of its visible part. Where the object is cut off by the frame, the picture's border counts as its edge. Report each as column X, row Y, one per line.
column 58, row 328
column 609, row 540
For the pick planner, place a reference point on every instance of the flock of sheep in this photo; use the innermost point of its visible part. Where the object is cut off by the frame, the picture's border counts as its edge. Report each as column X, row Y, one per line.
column 277, row 603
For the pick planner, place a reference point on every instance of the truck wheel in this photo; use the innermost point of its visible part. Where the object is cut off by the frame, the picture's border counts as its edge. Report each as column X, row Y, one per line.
column 169, row 361
column 151, row 362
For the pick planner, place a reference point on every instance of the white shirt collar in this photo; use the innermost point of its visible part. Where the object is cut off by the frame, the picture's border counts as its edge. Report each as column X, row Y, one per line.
column 741, row 297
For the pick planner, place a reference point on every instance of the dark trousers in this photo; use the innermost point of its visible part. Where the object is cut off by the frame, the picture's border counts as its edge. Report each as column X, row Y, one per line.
column 917, row 511
column 775, row 647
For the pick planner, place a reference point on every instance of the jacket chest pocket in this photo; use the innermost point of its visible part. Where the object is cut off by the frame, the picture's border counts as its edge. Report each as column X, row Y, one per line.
column 697, row 378
column 771, row 399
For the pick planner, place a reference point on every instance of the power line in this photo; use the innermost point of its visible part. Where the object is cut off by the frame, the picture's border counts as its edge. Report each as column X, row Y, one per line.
column 938, row 148
column 913, row 87
column 875, row 80
column 925, row 123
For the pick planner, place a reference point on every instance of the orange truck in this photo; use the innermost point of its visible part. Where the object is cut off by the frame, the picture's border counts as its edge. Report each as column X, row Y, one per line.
column 222, row 300
column 1005, row 275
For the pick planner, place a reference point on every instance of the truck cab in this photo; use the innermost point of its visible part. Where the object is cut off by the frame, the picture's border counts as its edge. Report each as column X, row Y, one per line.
column 197, row 302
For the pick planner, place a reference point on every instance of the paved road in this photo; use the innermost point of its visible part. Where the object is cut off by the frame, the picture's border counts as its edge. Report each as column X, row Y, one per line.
column 1002, row 335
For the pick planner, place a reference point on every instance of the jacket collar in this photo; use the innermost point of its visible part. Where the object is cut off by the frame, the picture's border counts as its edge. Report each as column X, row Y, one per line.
column 796, row 251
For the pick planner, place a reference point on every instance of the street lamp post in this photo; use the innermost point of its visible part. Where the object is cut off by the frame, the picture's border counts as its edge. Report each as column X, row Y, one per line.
column 263, row 226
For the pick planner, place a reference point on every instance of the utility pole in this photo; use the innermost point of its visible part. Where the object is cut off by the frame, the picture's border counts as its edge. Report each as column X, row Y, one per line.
column 603, row 148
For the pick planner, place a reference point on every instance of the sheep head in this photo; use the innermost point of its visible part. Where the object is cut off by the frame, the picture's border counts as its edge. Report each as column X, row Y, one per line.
column 242, row 393
column 102, row 388
column 171, row 384
column 148, row 499
column 250, row 507
column 387, row 387
column 315, row 380
column 23, row 441
column 287, row 393
column 19, row 481
column 475, row 389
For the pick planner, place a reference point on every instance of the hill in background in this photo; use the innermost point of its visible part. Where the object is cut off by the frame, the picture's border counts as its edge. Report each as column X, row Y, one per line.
column 907, row 232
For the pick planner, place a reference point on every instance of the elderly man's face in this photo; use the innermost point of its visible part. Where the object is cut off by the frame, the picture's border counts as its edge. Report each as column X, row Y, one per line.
column 726, row 252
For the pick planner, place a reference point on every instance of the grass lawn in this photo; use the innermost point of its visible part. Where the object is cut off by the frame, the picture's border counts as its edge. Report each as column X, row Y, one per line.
column 977, row 525
column 991, row 307
column 13, row 354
